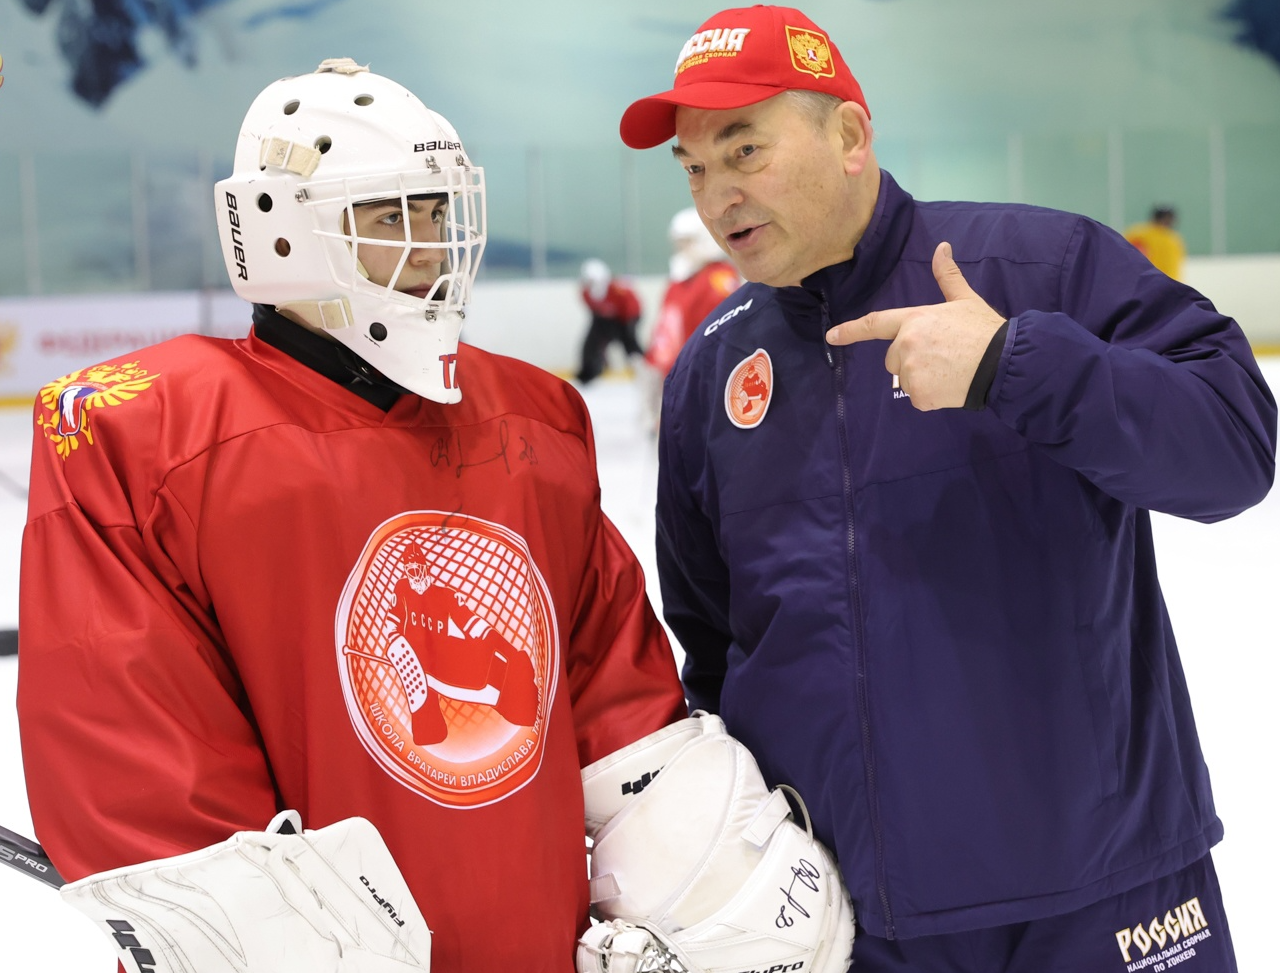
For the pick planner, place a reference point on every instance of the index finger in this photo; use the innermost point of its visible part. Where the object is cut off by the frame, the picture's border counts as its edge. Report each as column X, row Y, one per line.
column 876, row 326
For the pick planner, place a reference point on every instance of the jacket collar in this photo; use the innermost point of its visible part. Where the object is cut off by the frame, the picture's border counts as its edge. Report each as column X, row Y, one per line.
column 847, row 285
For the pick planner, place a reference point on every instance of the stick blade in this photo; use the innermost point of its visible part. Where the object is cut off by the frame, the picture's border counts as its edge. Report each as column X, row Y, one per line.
column 29, row 858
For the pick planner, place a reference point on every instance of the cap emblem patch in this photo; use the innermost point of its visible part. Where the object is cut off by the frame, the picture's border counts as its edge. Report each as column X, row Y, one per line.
column 810, row 52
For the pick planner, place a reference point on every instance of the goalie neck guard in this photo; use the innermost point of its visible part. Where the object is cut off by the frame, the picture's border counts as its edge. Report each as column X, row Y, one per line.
column 356, row 212
column 701, row 868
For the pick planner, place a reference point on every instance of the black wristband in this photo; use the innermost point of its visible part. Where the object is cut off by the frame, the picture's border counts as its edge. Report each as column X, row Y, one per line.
column 983, row 378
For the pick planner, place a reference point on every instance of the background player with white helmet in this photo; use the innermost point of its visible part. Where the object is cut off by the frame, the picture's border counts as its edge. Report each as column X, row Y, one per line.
column 615, row 308
column 214, row 625
column 699, row 277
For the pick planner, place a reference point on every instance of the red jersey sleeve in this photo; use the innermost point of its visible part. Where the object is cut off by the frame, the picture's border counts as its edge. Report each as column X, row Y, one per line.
column 623, row 682
column 118, row 666
column 622, row 675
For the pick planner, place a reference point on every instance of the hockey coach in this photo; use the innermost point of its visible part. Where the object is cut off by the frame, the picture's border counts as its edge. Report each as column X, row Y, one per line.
column 904, row 526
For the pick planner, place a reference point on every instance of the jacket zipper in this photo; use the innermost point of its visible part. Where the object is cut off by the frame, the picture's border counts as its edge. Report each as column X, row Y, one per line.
column 868, row 760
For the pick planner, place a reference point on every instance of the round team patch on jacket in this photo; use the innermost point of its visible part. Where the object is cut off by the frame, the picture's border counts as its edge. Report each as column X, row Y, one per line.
column 448, row 656
column 749, row 390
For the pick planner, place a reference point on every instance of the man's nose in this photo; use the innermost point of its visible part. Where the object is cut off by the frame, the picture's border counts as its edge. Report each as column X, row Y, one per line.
column 720, row 193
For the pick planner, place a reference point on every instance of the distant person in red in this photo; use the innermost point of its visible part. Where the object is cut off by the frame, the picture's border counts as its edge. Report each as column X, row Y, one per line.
column 440, row 647
column 615, row 312
column 699, row 276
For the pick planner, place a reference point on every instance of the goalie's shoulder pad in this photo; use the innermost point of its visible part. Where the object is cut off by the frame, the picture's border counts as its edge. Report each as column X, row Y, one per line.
column 708, row 858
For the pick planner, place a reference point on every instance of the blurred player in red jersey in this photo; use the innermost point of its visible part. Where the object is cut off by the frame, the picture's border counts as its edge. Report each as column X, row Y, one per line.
column 615, row 313
column 700, row 276
column 280, row 546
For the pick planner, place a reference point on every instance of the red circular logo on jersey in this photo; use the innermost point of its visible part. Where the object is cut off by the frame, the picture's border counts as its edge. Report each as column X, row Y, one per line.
column 448, row 655
column 749, row 390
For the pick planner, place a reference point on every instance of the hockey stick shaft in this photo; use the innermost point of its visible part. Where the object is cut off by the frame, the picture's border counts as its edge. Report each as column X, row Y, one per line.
column 28, row 857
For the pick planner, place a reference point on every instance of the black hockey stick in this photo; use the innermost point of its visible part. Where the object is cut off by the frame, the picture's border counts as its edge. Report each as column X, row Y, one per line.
column 29, row 858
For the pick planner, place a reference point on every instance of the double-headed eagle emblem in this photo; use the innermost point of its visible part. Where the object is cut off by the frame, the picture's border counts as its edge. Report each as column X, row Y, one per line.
column 69, row 400
column 810, row 52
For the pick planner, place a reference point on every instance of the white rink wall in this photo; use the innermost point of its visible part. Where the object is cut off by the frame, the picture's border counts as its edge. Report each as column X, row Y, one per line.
column 44, row 338
column 540, row 321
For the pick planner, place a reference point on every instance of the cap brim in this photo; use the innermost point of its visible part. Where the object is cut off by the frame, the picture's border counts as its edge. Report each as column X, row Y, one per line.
column 651, row 121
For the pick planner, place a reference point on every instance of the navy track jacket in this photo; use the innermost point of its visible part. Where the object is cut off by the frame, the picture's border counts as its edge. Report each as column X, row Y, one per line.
column 945, row 629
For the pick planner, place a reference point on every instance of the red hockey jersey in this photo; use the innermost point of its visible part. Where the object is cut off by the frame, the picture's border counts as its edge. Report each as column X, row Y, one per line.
column 619, row 302
column 218, row 602
column 685, row 305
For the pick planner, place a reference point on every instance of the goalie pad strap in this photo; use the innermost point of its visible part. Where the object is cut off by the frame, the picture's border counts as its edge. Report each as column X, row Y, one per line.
column 603, row 888
column 769, row 816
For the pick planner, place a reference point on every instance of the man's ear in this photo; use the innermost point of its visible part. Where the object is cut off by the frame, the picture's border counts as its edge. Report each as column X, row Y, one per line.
column 854, row 128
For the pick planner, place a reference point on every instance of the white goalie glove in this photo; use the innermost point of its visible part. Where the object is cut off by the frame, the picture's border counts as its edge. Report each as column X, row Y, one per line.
column 698, row 868
column 282, row 900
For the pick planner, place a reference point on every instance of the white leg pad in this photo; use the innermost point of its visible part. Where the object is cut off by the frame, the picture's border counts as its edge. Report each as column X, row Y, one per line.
column 710, row 862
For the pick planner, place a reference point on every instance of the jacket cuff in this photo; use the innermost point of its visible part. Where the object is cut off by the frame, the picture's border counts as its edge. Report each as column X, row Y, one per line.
column 983, row 378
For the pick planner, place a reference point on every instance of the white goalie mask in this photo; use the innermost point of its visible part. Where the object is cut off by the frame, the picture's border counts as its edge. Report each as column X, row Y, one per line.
column 354, row 210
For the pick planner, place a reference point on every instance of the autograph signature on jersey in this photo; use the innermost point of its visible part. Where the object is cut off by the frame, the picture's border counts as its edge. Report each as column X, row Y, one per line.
column 449, row 451
column 68, row 402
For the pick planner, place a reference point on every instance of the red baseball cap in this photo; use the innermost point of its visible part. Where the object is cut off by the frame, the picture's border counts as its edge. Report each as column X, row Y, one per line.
column 737, row 58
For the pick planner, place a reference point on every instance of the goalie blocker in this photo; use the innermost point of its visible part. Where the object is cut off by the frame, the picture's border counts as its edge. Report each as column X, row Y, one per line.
column 282, row 900
column 697, row 866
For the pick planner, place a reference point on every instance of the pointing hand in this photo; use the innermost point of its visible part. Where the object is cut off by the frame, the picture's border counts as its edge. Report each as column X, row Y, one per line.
column 934, row 348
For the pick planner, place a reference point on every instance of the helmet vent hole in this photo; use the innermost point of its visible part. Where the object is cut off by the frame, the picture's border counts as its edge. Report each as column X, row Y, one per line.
column 363, row 100
column 282, row 247
column 378, row 331
column 291, row 106
column 323, row 144
column 264, row 202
